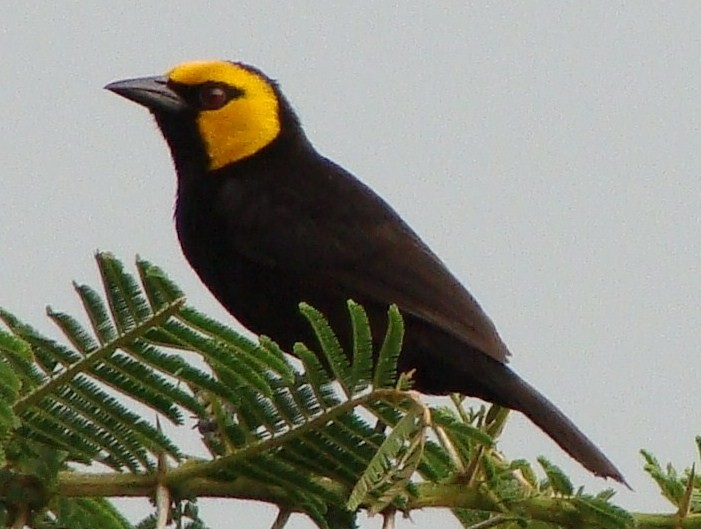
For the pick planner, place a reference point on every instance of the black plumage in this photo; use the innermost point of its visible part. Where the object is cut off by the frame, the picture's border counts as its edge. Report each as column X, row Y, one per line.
column 285, row 224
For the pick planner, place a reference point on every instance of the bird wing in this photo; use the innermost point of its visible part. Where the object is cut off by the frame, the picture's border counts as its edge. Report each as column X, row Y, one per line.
column 398, row 267
column 335, row 231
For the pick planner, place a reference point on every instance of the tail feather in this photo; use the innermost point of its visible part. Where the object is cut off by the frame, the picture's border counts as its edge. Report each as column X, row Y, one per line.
column 443, row 364
column 522, row 397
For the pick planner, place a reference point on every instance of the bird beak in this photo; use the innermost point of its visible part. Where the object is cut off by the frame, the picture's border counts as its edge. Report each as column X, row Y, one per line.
column 151, row 92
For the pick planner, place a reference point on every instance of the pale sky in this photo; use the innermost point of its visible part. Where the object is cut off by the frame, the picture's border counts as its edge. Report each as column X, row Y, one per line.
column 550, row 153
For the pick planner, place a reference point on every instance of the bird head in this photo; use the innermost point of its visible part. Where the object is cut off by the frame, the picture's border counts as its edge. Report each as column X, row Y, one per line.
column 235, row 109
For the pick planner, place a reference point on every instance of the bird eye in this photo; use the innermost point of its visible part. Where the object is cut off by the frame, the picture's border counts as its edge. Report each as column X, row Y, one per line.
column 213, row 96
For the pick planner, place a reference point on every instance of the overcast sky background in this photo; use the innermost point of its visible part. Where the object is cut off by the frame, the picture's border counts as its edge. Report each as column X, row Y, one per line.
column 549, row 152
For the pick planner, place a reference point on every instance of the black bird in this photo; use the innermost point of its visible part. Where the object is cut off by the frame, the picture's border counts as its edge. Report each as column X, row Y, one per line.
column 267, row 222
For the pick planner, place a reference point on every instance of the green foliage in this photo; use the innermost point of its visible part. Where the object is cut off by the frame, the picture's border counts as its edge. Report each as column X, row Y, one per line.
column 683, row 490
column 361, row 369
column 386, row 368
column 343, row 433
column 389, row 472
column 557, row 479
column 82, row 512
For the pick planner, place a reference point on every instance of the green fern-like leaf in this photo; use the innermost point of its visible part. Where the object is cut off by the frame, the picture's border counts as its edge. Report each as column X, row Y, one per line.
column 126, row 300
column 97, row 313
column 386, row 368
column 598, row 512
column 274, row 432
column 668, row 480
column 331, row 347
column 557, row 479
column 18, row 365
column 395, row 455
column 13, row 351
column 361, row 369
column 259, row 357
column 48, row 354
column 464, row 437
column 79, row 337
column 316, row 375
column 66, row 406
column 86, row 513
column 308, row 495
column 158, row 287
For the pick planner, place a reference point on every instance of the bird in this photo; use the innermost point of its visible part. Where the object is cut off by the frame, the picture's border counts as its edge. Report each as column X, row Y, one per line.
column 267, row 222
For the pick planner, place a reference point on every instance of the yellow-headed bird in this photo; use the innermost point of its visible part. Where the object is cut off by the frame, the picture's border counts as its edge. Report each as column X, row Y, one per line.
column 267, row 222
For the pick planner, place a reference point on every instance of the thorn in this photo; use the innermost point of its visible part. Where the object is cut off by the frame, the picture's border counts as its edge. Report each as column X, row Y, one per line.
column 685, row 504
column 380, row 426
column 491, row 522
column 21, row 518
column 281, row 519
column 162, row 506
column 388, row 519
column 450, row 448
column 162, row 491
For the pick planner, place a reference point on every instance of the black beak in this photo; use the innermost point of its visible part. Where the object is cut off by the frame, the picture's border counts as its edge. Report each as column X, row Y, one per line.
column 151, row 92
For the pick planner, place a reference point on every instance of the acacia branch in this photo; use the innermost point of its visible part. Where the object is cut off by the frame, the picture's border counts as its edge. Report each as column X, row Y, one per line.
column 551, row 510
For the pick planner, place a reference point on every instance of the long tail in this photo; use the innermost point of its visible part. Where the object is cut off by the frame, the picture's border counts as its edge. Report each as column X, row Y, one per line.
column 443, row 364
column 517, row 394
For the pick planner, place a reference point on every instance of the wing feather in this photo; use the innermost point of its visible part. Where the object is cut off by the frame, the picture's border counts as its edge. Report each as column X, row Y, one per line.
column 336, row 231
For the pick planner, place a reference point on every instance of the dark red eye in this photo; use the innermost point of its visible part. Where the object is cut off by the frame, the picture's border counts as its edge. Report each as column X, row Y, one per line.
column 213, row 96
